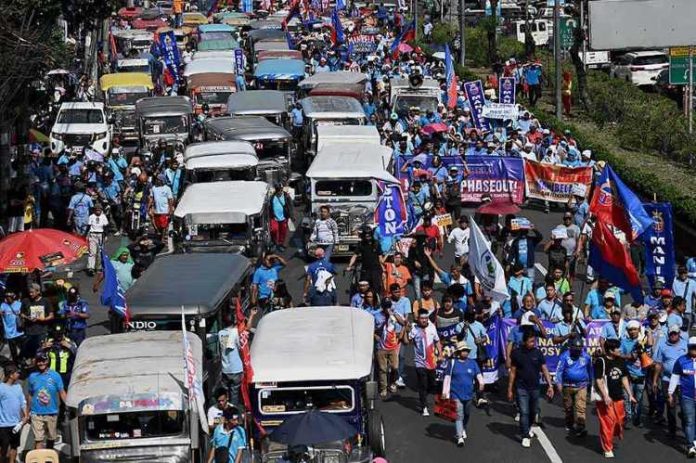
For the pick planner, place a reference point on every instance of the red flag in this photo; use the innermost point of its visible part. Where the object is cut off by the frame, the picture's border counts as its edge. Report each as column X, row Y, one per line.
column 248, row 371
column 614, row 262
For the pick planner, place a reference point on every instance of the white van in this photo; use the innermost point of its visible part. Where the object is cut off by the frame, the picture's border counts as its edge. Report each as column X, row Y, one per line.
column 542, row 30
column 81, row 125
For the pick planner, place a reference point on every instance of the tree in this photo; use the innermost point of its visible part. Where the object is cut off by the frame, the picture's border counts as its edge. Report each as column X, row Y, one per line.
column 575, row 49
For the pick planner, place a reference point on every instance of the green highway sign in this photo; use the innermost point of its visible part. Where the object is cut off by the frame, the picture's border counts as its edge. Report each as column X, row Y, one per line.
column 679, row 65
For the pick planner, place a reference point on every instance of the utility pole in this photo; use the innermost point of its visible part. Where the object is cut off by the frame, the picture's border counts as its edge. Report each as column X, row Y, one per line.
column 415, row 19
column 462, row 27
column 584, row 34
column 557, row 55
column 690, row 98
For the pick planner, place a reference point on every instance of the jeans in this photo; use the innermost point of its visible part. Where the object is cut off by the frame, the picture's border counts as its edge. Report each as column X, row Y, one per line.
column 527, row 403
column 233, row 383
column 671, row 411
column 462, row 416
column 688, row 408
column 633, row 411
column 402, row 361
column 328, row 250
column 426, row 385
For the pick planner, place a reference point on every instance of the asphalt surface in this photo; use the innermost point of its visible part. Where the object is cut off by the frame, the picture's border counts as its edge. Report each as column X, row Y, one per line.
column 492, row 432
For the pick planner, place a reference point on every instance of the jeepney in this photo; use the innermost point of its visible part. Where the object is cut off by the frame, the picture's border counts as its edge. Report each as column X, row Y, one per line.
column 336, row 79
column 127, row 400
column 205, row 66
column 274, row 145
column 217, row 45
column 278, row 54
column 164, row 118
column 223, row 217
column 271, row 104
column 279, row 74
column 133, row 39
column 207, row 32
column 267, row 35
column 148, row 23
column 352, row 193
column 193, row 19
column 216, row 161
column 121, row 91
column 333, row 134
column 423, row 93
column 266, row 24
column 133, row 65
column 330, row 370
column 213, row 89
column 233, row 18
column 327, row 110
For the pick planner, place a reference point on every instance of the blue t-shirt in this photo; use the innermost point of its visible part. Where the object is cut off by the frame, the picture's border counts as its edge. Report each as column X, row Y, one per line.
column 595, row 300
column 633, row 366
column 221, row 438
column 44, row 389
column 667, row 353
column 532, row 75
column 685, row 367
column 278, row 203
column 297, row 117
column 551, row 310
column 80, row 204
column 463, row 374
column 12, row 402
column 403, row 308
column 65, row 310
column 9, row 319
column 314, row 268
column 161, row 196
column 265, row 279
column 610, row 331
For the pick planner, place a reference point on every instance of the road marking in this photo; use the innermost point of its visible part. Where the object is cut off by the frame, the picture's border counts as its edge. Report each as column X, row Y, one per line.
column 547, row 445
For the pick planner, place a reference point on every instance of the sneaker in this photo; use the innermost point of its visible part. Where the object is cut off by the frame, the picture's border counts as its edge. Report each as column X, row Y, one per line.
column 400, row 383
column 425, row 411
column 609, row 454
column 691, row 453
column 568, row 430
column 463, row 436
column 117, row 233
column 460, row 442
column 481, row 402
column 531, row 434
column 392, row 388
column 526, row 443
column 517, row 417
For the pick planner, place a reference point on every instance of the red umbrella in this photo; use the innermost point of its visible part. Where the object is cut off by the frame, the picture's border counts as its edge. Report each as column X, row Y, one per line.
column 37, row 249
column 435, row 128
column 405, row 48
column 500, row 207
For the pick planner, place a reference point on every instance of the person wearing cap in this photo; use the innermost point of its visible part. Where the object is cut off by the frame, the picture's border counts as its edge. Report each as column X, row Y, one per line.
column 611, row 388
column 96, row 227
column 594, row 301
column 573, row 376
column 463, row 373
column 633, row 345
column 652, row 300
column 388, row 325
column 37, row 315
column 636, row 310
column 78, row 210
column 161, row 205
column 665, row 354
column 570, row 327
column 665, row 304
column 229, row 439
column 10, row 309
column 685, row 287
column 616, row 329
column 684, row 378
column 75, row 311
column 61, row 352
column 46, row 389
column 14, row 413
column 358, row 299
column 264, row 278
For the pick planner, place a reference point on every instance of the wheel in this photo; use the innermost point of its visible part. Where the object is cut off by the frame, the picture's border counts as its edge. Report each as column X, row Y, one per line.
column 375, row 433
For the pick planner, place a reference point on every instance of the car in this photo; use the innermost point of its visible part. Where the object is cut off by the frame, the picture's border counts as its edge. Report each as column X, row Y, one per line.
column 81, row 125
column 640, row 67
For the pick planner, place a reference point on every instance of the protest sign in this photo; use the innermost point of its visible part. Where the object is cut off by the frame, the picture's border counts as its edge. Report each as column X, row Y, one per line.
column 553, row 182
column 500, row 177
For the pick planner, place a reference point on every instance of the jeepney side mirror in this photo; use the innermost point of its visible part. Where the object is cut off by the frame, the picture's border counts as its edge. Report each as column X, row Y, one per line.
column 371, row 390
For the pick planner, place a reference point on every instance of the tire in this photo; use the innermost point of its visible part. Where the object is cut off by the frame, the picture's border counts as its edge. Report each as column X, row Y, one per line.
column 376, row 434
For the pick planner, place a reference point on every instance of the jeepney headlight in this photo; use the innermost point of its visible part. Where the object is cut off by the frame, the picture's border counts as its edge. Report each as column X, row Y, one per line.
column 57, row 136
column 98, row 136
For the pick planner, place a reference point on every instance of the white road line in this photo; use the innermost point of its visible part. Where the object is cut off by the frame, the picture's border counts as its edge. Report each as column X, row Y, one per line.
column 547, row 445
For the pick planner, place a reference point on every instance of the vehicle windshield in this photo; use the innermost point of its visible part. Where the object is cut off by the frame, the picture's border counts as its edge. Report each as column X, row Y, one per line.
column 282, row 85
column 80, row 116
column 222, row 175
column 270, row 149
column 402, row 103
column 134, row 425
column 125, row 96
column 220, row 232
column 278, row 401
column 343, row 188
column 165, row 125
column 647, row 60
column 346, row 121
column 134, row 68
column 213, row 97
column 141, row 43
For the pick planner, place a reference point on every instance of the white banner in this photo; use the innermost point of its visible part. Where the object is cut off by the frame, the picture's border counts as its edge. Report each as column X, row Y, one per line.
column 485, row 265
column 500, row 111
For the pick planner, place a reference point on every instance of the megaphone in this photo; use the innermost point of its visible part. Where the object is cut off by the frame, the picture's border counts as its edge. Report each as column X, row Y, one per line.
column 645, row 360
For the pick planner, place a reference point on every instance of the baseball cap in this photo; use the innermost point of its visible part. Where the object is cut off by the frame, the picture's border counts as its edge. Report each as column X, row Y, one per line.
column 674, row 329
column 692, row 341
column 666, row 292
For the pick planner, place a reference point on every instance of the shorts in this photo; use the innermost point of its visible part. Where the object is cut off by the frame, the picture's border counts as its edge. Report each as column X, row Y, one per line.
column 161, row 221
column 44, row 426
column 8, row 439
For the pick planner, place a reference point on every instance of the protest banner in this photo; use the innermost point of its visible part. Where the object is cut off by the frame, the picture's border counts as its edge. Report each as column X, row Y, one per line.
column 659, row 244
column 477, row 100
column 552, row 182
column 507, row 90
column 500, row 177
column 390, row 212
column 500, row 111
column 170, row 53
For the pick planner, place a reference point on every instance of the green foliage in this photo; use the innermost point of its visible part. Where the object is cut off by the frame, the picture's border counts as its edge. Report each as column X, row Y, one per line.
column 477, row 46
column 443, row 33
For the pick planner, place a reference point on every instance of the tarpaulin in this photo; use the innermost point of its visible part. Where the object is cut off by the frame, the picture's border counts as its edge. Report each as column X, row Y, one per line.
column 553, row 182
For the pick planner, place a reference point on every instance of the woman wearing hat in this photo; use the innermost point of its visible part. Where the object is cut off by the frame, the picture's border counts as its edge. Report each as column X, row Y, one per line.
column 460, row 381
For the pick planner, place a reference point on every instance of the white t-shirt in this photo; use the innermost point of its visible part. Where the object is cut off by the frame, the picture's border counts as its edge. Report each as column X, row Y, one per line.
column 460, row 238
column 97, row 223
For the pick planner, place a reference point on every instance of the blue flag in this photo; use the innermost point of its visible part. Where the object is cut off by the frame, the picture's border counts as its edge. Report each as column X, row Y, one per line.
column 112, row 293
column 338, row 34
column 170, row 53
column 660, row 260
column 390, row 213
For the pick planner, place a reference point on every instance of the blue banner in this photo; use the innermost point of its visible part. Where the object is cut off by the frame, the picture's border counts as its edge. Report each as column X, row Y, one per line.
column 507, row 90
column 659, row 244
column 500, row 177
column 247, row 6
column 170, row 53
column 477, row 100
column 390, row 213
column 239, row 61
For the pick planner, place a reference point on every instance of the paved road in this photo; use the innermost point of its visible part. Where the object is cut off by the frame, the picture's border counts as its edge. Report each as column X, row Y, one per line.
column 493, row 432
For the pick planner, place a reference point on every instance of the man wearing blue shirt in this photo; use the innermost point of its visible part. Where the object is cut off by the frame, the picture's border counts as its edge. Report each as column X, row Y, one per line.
column 573, row 375
column 550, row 307
column 13, row 411
column 684, row 376
column 666, row 354
column 10, row 310
column 231, row 360
column 46, row 390
column 264, row 278
column 229, row 435
column 532, row 74
column 631, row 349
column 297, row 120
column 685, row 287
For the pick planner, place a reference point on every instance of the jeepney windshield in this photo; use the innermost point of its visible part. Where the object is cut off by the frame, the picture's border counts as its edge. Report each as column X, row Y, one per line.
column 343, row 188
column 134, row 425
column 134, row 68
column 271, row 149
column 404, row 102
column 126, row 96
column 282, row 85
column 223, row 175
column 288, row 400
column 165, row 125
column 342, row 121
column 219, row 97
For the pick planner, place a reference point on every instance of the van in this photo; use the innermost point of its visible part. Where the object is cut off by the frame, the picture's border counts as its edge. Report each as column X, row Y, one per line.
column 542, row 30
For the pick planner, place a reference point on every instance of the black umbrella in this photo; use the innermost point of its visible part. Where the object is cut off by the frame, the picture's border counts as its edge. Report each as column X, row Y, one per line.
column 312, row 427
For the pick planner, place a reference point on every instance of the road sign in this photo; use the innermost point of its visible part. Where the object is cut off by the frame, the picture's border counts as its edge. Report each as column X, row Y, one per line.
column 679, row 65
column 568, row 26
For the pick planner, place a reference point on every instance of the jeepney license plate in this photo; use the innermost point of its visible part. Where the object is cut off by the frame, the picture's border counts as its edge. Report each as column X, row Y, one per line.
column 343, row 247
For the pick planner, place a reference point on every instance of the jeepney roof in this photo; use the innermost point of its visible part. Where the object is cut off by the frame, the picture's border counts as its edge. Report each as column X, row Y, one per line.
column 222, row 161
column 338, row 77
column 81, row 105
column 265, row 45
column 218, row 45
column 264, row 55
column 215, row 28
column 280, row 69
column 205, row 281
column 263, row 34
column 130, row 34
column 222, row 202
column 264, row 24
column 347, row 134
column 163, row 105
column 257, row 102
column 214, row 148
column 125, row 79
column 430, row 85
column 366, row 160
column 194, row 18
column 246, row 128
column 224, row 55
column 331, row 107
column 313, row 344
column 200, row 66
column 211, row 79
column 132, row 363
column 131, row 62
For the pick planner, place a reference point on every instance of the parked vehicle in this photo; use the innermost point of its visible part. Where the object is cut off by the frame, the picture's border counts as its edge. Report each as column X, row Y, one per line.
column 542, row 31
column 639, row 67
column 216, row 161
column 133, row 39
column 206, row 66
column 121, row 91
column 278, row 54
column 338, row 78
column 271, row 104
column 224, row 217
column 330, row 372
column 327, row 110
column 81, row 125
column 217, row 45
column 126, row 402
column 279, row 74
column 164, row 118
column 674, row 92
column 213, row 89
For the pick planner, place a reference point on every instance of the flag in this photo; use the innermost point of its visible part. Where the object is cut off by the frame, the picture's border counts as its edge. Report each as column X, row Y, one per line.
column 451, row 93
column 337, row 34
column 615, row 204
column 407, row 33
column 245, row 355
column 391, row 210
column 610, row 258
column 485, row 265
column 112, row 293
column 193, row 383
column 340, row 4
